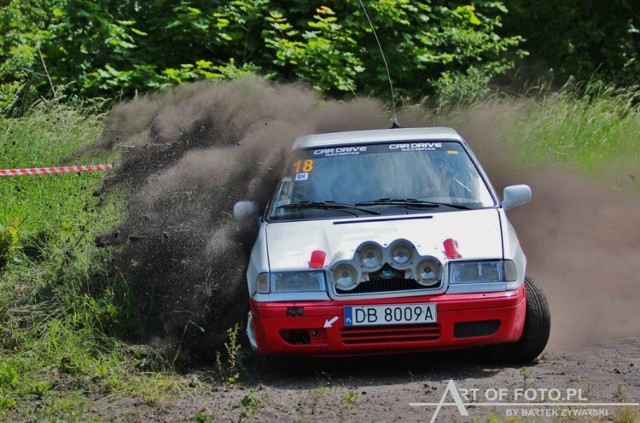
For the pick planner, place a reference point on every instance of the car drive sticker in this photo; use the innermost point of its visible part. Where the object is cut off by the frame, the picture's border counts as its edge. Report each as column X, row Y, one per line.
column 416, row 146
column 340, row 151
column 373, row 149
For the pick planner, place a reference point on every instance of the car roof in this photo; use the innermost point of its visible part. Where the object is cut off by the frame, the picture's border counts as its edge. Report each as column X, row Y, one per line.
column 377, row 136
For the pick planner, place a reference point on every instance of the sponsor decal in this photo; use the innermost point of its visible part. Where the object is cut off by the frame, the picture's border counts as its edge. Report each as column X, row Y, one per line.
column 413, row 146
column 340, row 151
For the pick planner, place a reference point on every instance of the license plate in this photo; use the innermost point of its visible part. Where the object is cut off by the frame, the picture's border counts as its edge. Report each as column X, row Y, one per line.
column 400, row 314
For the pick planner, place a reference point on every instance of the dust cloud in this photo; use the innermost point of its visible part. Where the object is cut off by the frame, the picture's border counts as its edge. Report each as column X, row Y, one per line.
column 581, row 237
column 583, row 242
column 190, row 153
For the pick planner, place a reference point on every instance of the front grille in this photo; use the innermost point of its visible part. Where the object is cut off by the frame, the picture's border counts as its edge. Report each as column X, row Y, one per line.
column 397, row 283
column 363, row 335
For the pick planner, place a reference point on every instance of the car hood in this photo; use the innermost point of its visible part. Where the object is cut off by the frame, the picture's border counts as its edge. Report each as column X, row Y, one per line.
column 477, row 233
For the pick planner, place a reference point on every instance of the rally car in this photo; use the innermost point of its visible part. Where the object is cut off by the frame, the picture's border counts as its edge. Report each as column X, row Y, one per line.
column 389, row 241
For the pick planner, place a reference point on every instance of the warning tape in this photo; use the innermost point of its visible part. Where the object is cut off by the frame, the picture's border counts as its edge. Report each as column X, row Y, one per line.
column 49, row 170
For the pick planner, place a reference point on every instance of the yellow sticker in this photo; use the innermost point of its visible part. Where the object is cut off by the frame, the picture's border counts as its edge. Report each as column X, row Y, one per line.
column 305, row 166
column 452, row 152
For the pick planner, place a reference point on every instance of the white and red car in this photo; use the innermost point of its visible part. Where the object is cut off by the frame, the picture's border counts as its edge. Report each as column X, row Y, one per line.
column 388, row 241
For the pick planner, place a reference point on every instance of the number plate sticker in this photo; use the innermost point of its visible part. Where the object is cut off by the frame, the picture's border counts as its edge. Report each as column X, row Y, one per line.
column 398, row 314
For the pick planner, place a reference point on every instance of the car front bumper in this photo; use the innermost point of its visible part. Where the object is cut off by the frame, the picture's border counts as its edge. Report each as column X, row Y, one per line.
column 317, row 327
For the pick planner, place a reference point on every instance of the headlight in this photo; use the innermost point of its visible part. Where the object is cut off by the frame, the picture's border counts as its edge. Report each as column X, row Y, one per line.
column 370, row 255
column 345, row 277
column 483, row 271
column 297, row 281
column 401, row 253
column 428, row 272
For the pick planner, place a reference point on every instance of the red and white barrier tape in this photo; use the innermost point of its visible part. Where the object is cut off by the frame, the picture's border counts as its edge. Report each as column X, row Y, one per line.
column 49, row 170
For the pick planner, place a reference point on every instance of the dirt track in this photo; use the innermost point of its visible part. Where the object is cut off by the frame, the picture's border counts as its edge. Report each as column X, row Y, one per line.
column 381, row 389
column 581, row 241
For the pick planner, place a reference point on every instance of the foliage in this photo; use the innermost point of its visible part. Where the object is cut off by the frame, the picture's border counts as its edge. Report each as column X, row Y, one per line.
column 8, row 242
column 424, row 42
column 116, row 49
column 24, row 27
column 251, row 404
column 79, row 49
column 324, row 53
column 230, row 371
column 579, row 39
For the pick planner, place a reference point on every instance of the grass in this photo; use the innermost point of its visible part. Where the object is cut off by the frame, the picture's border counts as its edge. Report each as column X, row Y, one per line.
column 592, row 129
column 63, row 319
column 589, row 128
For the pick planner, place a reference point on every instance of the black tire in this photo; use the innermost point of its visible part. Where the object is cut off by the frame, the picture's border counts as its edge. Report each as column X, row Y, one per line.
column 535, row 335
column 244, row 338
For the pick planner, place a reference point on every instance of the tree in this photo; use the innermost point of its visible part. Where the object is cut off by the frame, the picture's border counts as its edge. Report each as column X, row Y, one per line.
column 24, row 29
column 581, row 39
column 426, row 44
column 117, row 49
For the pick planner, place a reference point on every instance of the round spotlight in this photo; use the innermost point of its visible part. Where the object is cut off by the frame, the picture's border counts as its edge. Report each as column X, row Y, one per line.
column 345, row 277
column 401, row 253
column 428, row 272
column 370, row 255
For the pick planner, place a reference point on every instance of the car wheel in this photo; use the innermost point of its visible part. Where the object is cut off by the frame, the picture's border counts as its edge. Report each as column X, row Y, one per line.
column 535, row 334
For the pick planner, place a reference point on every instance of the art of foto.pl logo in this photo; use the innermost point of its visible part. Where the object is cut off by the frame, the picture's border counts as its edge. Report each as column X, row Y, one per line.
column 521, row 402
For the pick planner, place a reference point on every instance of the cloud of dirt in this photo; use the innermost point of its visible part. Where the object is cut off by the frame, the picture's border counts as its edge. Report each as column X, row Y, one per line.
column 581, row 238
column 190, row 153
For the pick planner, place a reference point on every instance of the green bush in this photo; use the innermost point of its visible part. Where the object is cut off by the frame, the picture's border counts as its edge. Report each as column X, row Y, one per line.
column 119, row 49
column 8, row 242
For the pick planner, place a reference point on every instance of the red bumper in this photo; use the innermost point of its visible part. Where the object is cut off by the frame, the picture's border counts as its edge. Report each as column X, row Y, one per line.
column 317, row 327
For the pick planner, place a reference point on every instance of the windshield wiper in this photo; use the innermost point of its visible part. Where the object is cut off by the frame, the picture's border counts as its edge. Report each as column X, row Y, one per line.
column 328, row 205
column 410, row 202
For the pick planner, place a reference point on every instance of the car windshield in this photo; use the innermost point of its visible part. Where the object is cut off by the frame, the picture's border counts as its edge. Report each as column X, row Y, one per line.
column 374, row 179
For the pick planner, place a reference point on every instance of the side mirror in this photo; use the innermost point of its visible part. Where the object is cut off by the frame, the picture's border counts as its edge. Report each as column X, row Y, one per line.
column 245, row 210
column 515, row 195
